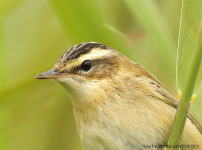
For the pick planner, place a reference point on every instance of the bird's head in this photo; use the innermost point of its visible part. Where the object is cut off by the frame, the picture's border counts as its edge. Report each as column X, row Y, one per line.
column 88, row 70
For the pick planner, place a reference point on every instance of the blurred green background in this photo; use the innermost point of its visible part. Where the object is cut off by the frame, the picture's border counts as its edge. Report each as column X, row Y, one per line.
column 36, row 114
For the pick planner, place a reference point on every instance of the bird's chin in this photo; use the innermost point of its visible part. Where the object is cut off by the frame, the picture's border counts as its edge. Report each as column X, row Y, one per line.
column 80, row 92
column 73, row 89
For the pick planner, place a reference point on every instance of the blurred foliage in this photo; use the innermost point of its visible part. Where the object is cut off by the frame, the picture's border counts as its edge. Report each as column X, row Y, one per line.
column 37, row 115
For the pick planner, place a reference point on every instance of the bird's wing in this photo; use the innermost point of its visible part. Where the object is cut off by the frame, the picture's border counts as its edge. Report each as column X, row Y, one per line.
column 163, row 94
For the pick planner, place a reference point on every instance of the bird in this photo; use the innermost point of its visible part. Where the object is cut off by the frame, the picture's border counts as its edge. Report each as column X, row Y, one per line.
column 117, row 103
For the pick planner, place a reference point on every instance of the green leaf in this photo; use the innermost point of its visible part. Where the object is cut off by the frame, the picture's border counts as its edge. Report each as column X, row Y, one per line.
column 190, row 27
column 198, row 82
column 188, row 63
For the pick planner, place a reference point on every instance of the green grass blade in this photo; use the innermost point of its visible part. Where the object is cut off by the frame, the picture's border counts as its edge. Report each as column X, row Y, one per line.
column 186, row 97
column 198, row 82
column 188, row 63
column 188, row 37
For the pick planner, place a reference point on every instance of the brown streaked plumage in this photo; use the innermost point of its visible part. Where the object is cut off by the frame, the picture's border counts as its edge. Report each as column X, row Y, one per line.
column 118, row 104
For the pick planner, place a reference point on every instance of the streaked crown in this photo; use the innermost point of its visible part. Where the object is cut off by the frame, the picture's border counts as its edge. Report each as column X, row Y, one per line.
column 79, row 50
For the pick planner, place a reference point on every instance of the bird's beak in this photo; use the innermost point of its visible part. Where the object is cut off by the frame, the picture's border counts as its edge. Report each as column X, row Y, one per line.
column 51, row 74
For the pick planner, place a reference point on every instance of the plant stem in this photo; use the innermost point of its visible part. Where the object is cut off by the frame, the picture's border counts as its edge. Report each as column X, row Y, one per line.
column 186, row 96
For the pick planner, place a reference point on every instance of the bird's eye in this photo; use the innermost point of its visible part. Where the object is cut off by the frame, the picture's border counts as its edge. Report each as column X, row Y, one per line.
column 86, row 65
